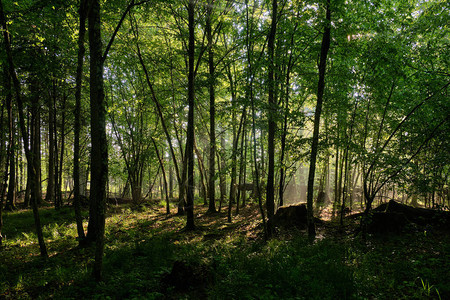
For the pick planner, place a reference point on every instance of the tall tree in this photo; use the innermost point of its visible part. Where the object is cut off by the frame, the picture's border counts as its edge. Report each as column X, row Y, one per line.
column 212, row 111
column 99, row 148
column 189, row 154
column 315, row 141
column 270, row 192
column 82, row 12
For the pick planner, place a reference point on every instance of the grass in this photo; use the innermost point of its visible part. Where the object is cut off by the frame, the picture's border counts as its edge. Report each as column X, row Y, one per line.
column 223, row 261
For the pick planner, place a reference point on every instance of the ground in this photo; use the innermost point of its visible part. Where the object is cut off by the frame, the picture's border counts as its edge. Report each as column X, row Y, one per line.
column 148, row 255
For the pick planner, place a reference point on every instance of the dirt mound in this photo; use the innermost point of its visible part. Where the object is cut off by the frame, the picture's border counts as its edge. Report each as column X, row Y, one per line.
column 394, row 216
column 293, row 215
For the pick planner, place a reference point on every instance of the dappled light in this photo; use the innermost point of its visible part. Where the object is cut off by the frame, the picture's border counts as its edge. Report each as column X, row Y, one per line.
column 217, row 149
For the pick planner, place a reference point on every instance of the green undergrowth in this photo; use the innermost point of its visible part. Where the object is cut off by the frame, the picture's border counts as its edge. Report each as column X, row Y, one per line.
column 224, row 261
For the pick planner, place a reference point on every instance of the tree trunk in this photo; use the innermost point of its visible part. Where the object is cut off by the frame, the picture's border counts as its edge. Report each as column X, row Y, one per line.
column 59, row 194
column 170, row 182
column 202, row 172
column 222, row 179
column 36, row 138
column 249, row 51
column 99, row 148
column 4, row 164
column 161, row 164
column 241, row 167
column 244, row 194
column 232, row 197
column 189, row 155
column 77, row 127
column 50, row 195
column 315, row 141
column 212, row 114
column 11, row 196
column 270, row 191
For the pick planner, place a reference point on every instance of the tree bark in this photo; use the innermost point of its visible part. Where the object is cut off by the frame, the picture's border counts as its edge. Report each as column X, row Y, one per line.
column 50, row 195
column 236, row 135
column 222, row 166
column 170, row 182
column 270, row 191
column 256, row 180
column 190, row 127
column 212, row 113
column 161, row 164
column 61, row 158
column 35, row 138
column 82, row 12
column 99, row 148
column 11, row 195
column 315, row 141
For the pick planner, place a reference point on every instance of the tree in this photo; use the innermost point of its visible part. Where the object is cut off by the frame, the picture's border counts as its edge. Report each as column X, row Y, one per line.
column 99, row 150
column 189, row 154
column 212, row 111
column 11, row 196
column 82, row 12
column 315, row 140
column 270, row 192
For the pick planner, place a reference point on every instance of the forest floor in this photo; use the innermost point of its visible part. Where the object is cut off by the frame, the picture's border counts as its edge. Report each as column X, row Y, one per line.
column 148, row 255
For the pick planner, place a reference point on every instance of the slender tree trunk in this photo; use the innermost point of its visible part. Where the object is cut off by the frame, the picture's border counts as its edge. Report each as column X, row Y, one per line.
column 285, row 121
column 77, row 127
column 2, row 196
column 233, row 161
column 11, row 196
column 212, row 114
column 244, row 194
column 249, row 51
column 182, row 186
column 99, row 146
column 270, row 192
column 28, row 152
column 283, row 146
column 232, row 197
column 336, row 173
column 4, row 162
column 347, row 149
column 170, row 182
column 56, row 145
column 315, row 141
column 161, row 164
column 222, row 179
column 61, row 158
column 241, row 193
column 36, row 138
column 50, row 195
column 189, row 155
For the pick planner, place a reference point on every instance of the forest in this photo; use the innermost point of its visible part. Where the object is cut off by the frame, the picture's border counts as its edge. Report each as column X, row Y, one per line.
column 224, row 149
